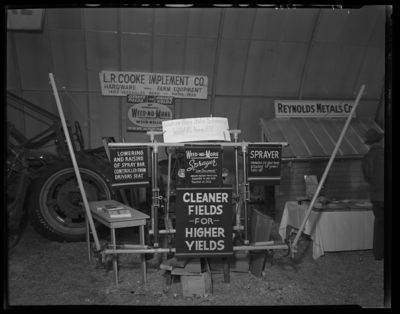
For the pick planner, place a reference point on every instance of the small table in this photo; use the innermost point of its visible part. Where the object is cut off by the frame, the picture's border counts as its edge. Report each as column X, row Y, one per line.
column 345, row 228
column 137, row 219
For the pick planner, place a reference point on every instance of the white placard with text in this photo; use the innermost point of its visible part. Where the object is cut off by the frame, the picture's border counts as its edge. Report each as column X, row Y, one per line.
column 196, row 129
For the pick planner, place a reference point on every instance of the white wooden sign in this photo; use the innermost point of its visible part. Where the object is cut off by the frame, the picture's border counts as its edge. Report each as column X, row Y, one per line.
column 312, row 109
column 153, row 84
column 196, row 129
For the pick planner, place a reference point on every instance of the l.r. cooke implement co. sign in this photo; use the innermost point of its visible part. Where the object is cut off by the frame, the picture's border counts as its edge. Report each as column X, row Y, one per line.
column 153, row 84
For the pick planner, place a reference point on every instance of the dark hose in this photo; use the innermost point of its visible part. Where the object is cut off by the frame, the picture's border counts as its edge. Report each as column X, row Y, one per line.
column 288, row 245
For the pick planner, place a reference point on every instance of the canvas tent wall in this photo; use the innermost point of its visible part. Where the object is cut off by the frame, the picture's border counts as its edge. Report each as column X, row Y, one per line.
column 251, row 57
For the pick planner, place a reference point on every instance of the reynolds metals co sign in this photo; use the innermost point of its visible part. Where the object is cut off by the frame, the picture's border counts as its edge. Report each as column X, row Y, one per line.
column 153, row 84
column 313, row 109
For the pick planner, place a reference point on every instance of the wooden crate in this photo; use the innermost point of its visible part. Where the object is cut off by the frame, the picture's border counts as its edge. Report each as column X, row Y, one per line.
column 196, row 285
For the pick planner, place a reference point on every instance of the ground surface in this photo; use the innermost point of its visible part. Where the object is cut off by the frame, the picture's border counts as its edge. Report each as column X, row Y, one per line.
column 41, row 272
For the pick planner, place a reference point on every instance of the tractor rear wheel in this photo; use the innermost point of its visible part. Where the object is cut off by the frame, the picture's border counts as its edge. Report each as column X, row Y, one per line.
column 54, row 198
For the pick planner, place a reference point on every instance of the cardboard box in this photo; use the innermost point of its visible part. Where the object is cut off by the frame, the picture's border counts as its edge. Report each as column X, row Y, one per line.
column 196, row 285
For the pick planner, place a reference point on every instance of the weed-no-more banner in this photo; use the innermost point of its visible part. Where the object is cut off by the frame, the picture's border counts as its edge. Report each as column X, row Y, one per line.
column 146, row 113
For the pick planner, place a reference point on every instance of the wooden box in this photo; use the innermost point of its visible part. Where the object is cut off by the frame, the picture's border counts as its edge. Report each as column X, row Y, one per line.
column 196, row 285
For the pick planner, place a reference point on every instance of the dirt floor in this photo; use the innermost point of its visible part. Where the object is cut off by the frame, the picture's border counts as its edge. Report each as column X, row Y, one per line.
column 46, row 273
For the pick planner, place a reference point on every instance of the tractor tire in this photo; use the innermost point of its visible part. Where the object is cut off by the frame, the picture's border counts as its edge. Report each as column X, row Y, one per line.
column 54, row 197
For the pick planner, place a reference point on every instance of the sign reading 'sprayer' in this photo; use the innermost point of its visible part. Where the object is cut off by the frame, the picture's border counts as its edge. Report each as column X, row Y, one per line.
column 204, row 222
column 203, row 166
column 264, row 164
column 128, row 167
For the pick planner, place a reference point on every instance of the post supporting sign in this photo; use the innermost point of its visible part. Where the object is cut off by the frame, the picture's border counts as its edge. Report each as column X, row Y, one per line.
column 203, row 166
column 129, row 167
column 264, row 164
column 204, row 222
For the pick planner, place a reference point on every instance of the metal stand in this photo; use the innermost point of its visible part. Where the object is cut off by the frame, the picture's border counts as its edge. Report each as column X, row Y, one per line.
column 245, row 192
column 246, row 197
column 155, row 190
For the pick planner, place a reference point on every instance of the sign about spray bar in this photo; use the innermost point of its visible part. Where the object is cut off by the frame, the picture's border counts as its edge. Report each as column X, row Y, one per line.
column 196, row 129
column 128, row 167
column 204, row 222
column 203, row 166
column 148, row 112
column 264, row 165
column 153, row 84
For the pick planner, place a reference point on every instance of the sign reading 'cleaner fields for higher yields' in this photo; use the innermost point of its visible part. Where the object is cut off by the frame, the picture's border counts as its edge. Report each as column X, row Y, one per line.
column 153, row 84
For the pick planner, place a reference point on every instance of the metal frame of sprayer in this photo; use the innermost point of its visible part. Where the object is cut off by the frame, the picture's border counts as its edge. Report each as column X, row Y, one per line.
column 154, row 145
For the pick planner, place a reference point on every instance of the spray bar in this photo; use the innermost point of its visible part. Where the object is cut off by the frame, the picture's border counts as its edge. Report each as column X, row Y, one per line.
column 166, row 250
column 163, row 231
column 157, row 144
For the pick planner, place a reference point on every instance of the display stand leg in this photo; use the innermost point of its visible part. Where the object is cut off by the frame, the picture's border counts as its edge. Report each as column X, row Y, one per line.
column 142, row 256
column 168, row 280
column 225, row 265
column 269, row 259
column 209, row 272
column 114, row 258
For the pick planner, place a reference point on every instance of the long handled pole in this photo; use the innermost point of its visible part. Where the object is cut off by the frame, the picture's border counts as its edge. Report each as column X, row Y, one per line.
column 155, row 191
column 294, row 245
column 238, row 203
column 245, row 191
column 156, row 196
column 76, row 169
column 168, row 183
